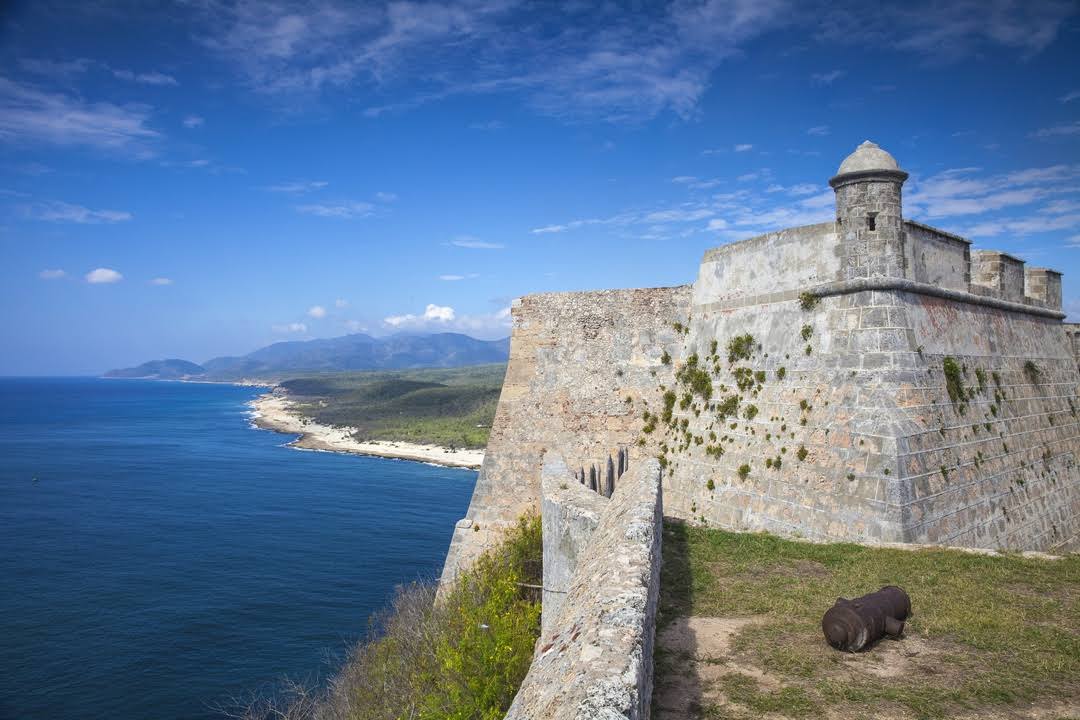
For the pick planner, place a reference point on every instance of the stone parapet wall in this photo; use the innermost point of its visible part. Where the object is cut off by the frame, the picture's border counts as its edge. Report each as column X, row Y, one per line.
column 598, row 661
column 575, row 359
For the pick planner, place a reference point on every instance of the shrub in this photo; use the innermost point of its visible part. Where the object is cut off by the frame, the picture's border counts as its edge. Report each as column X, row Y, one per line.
column 751, row 412
column 744, row 471
column 729, row 406
column 696, row 378
column 807, row 331
column 954, row 381
column 669, row 406
column 666, row 358
column 802, row 453
column 980, row 375
column 462, row 657
column 808, row 301
column 781, row 373
column 740, row 347
column 1032, row 372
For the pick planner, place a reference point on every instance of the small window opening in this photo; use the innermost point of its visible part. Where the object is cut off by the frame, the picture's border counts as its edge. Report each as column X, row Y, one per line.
column 871, row 221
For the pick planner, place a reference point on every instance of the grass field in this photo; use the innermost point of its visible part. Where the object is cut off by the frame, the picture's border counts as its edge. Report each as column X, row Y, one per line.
column 740, row 632
column 453, row 407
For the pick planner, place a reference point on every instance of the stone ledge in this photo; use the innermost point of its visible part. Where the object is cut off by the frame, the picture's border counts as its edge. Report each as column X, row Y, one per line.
column 598, row 662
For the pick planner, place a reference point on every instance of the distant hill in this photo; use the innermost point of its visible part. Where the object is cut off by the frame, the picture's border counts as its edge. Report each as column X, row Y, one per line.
column 350, row 352
column 160, row 370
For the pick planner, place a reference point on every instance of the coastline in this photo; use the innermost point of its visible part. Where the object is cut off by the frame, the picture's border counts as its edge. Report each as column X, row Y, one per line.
column 273, row 411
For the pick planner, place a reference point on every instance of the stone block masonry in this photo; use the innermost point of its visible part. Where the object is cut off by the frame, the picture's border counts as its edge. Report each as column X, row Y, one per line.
column 869, row 379
column 595, row 661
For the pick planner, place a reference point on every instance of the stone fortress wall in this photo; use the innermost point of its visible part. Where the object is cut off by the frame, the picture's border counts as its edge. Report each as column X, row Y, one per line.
column 868, row 379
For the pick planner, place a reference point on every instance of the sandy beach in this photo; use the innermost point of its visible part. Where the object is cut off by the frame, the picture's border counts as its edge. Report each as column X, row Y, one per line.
column 273, row 411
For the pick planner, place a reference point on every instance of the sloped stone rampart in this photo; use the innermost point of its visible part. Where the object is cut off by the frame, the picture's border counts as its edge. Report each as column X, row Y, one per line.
column 597, row 665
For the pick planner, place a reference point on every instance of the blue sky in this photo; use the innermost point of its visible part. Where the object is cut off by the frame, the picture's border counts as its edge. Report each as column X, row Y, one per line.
column 200, row 178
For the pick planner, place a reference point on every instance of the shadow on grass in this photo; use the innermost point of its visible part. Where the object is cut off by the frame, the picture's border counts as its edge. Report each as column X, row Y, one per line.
column 677, row 689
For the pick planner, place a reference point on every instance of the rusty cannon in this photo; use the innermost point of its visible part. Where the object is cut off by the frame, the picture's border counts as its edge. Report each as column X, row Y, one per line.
column 854, row 625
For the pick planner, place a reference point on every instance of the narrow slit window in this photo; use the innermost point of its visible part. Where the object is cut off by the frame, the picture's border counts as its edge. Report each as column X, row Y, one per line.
column 871, row 221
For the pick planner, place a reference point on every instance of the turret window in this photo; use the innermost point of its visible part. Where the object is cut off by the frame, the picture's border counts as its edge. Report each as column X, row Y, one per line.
column 871, row 221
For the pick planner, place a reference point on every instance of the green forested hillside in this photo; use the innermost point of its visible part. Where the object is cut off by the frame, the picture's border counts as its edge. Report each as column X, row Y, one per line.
column 442, row 406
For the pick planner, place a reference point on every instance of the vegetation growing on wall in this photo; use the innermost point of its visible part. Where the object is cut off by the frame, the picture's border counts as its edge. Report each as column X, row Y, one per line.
column 954, row 383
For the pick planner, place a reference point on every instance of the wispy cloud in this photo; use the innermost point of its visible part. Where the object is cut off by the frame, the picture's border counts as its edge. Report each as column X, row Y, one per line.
column 818, row 130
column 1062, row 130
column 1069, row 96
column 827, row 78
column 468, row 241
column 161, row 281
column 31, row 115
column 67, row 212
column 345, row 211
column 103, row 276
column 54, row 274
column 386, row 197
column 298, row 187
column 55, row 69
column 145, row 78
column 290, row 328
column 193, row 121
column 316, row 311
column 743, row 147
column 455, row 278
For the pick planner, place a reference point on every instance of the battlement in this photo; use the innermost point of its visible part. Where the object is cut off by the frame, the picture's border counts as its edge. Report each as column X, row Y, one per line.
column 872, row 379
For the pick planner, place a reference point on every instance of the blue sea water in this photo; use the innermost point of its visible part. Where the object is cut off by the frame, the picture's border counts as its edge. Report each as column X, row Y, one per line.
column 158, row 556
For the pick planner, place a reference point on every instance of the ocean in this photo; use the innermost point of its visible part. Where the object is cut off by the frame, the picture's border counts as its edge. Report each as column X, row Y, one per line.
column 159, row 557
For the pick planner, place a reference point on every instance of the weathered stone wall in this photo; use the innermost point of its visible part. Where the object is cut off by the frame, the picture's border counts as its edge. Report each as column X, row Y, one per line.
column 838, row 420
column 940, row 259
column 598, row 662
column 575, row 359
column 569, row 513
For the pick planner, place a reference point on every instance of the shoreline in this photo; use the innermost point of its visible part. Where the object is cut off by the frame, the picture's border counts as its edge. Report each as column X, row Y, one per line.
column 272, row 411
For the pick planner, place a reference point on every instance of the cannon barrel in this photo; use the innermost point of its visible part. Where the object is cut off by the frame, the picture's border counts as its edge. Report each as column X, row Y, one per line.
column 853, row 625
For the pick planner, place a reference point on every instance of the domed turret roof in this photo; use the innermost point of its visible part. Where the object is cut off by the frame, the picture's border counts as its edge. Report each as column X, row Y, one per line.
column 867, row 157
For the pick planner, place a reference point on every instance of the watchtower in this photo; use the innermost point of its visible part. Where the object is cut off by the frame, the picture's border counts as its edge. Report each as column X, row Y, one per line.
column 869, row 220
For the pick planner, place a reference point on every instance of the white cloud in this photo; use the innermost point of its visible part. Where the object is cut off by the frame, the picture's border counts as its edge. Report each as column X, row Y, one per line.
column 1073, row 241
column 193, row 121
column 1063, row 130
column 455, row 278
column 385, row 197
column 743, row 147
column 827, row 78
column 103, row 275
column 354, row 326
column 316, row 311
column 67, row 212
column 963, row 191
column 818, row 130
column 468, row 241
column 432, row 314
column 341, row 303
column 804, row 189
column 294, row 327
column 445, row 319
column 30, row 115
column 55, row 274
column 298, row 187
column 1069, row 96
column 148, row 78
column 161, row 281
column 346, row 210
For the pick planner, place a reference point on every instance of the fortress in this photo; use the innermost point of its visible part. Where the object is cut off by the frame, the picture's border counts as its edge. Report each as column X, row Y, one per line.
column 870, row 379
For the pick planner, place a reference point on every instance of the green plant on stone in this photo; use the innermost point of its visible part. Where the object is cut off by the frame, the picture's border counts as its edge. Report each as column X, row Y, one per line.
column 1033, row 372
column 744, row 471
column 802, row 453
column 666, row 358
column 740, row 347
column 954, row 382
column 807, row 331
column 750, row 412
column 781, row 373
column 808, row 301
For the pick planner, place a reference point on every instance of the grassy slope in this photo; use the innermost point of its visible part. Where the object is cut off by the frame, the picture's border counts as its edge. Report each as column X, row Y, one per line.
column 442, row 406
column 997, row 631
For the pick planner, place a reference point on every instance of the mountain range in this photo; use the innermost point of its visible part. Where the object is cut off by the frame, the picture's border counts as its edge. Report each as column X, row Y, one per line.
column 349, row 352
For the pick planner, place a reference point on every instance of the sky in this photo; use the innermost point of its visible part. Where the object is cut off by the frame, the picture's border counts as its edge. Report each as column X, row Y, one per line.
column 202, row 178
